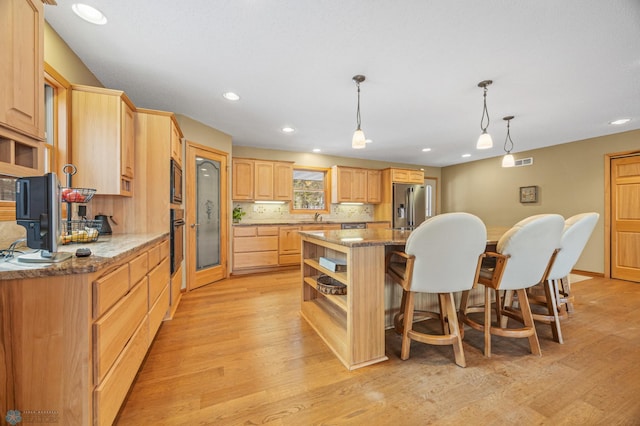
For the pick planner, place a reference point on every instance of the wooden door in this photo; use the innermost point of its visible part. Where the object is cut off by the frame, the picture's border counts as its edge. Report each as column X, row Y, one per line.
column 207, row 215
column 374, row 186
column 625, row 218
column 263, row 180
column 283, row 181
column 359, row 186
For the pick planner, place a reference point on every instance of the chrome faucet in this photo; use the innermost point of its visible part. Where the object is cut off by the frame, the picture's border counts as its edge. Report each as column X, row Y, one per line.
column 317, row 217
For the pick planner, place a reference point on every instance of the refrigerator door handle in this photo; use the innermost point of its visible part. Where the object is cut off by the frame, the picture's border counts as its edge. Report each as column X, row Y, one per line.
column 412, row 211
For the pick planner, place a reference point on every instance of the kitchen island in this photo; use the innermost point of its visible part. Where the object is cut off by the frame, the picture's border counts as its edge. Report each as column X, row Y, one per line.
column 73, row 334
column 353, row 325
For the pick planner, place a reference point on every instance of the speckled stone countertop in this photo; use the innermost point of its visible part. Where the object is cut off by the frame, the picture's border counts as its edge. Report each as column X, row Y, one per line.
column 305, row 222
column 108, row 250
column 361, row 237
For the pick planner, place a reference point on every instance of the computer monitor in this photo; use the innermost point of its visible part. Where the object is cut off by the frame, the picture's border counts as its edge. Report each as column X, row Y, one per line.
column 38, row 209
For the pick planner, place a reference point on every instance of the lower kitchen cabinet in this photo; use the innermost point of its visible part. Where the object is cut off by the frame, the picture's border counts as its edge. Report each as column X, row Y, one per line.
column 77, row 340
column 255, row 247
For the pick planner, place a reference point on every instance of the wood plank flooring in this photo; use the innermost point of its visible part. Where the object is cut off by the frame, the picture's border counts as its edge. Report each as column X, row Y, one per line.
column 238, row 353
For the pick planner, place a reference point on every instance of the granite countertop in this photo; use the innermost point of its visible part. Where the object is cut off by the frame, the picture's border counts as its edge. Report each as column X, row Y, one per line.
column 108, row 250
column 305, row 222
column 361, row 237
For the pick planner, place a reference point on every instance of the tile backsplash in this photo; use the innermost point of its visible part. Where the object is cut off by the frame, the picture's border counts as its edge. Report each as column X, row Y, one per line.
column 256, row 213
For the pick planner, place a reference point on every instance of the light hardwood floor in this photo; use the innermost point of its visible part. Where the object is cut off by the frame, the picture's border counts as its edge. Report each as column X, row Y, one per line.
column 238, row 353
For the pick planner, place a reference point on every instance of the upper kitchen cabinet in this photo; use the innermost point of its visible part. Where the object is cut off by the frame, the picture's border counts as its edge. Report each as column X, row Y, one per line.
column 261, row 180
column 22, row 68
column 407, row 176
column 103, row 139
column 176, row 142
column 355, row 185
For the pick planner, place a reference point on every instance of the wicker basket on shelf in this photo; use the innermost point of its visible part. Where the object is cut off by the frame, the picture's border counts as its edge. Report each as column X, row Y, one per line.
column 328, row 285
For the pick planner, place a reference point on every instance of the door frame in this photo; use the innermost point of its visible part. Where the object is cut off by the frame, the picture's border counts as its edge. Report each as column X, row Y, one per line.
column 189, row 213
column 607, row 205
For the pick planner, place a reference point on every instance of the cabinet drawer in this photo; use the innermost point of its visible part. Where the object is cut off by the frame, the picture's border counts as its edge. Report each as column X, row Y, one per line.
column 289, row 259
column 244, row 245
column 164, row 249
column 109, row 395
column 157, row 313
column 245, row 231
column 154, row 256
column 112, row 331
column 254, row 260
column 158, row 280
column 108, row 289
column 138, row 268
column 267, row 230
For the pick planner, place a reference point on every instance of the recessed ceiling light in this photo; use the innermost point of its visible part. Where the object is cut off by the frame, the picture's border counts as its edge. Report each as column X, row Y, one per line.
column 368, row 141
column 426, row 149
column 466, row 155
column 316, row 149
column 89, row 13
column 287, row 129
column 620, row 121
column 230, row 96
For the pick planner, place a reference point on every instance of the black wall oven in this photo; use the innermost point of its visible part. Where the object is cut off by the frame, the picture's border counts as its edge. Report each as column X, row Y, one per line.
column 176, row 183
column 177, row 238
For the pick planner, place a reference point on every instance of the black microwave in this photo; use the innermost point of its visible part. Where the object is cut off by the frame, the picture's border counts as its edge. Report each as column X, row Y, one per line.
column 176, row 183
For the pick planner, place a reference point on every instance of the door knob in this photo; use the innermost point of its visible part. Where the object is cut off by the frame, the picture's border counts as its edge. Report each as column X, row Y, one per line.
column 193, row 225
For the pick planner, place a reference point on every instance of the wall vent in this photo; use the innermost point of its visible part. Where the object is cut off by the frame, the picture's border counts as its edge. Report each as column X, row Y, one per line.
column 524, row 162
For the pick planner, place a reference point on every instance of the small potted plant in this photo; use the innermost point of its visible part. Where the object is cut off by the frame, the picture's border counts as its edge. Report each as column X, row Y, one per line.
column 237, row 214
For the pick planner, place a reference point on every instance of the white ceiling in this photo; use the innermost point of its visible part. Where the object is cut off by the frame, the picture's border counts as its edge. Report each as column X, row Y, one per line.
column 564, row 69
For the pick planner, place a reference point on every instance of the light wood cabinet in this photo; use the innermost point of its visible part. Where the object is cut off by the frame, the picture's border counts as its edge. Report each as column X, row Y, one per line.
column 242, row 179
column 255, row 247
column 355, row 185
column 261, row 180
column 378, row 225
column 176, row 142
column 407, row 176
column 77, row 340
column 346, row 323
column 22, row 88
column 282, row 181
column 289, row 245
column 22, row 76
column 374, row 186
column 103, row 140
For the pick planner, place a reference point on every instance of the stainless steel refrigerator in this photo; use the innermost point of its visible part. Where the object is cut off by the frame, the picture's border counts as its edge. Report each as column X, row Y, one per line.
column 409, row 205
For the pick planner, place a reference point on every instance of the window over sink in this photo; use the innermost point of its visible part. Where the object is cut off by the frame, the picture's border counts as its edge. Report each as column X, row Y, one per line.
column 311, row 190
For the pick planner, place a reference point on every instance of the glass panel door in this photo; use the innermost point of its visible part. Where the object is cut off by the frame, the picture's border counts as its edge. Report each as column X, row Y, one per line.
column 208, row 213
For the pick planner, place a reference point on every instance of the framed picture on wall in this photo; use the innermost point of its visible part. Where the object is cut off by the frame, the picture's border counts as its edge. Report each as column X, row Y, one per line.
column 528, row 194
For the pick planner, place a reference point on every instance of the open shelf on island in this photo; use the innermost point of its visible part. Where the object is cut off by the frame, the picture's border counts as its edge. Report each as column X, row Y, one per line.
column 340, row 276
column 339, row 300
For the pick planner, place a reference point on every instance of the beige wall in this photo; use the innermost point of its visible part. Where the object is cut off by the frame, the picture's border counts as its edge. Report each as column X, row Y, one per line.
column 195, row 131
column 570, row 180
column 58, row 54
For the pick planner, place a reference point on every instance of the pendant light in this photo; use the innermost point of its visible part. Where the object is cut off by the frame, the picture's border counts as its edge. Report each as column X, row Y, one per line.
column 358, row 141
column 508, row 160
column 484, row 141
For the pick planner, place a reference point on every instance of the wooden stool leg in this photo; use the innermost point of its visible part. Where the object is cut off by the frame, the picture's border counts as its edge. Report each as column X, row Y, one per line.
column 552, row 309
column 398, row 319
column 454, row 328
column 487, row 322
column 527, row 317
column 408, row 323
column 507, row 302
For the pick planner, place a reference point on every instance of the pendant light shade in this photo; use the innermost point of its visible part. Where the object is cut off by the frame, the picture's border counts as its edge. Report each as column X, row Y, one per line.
column 484, row 141
column 508, row 160
column 358, row 141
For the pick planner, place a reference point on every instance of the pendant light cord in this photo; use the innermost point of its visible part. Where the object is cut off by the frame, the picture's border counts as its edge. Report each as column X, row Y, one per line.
column 508, row 139
column 484, row 112
column 358, row 110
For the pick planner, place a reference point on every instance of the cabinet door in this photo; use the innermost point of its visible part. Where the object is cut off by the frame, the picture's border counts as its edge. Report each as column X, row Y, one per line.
column 242, row 185
column 263, row 180
column 416, row 176
column 283, row 181
column 22, row 75
column 289, row 242
column 359, row 186
column 343, row 177
column 176, row 143
column 127, row 140
column 374, row 186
